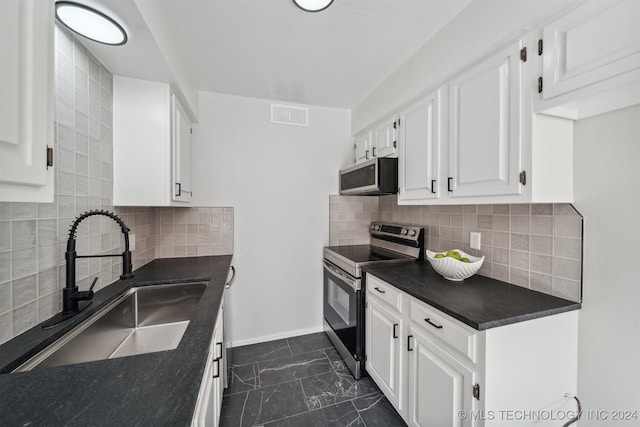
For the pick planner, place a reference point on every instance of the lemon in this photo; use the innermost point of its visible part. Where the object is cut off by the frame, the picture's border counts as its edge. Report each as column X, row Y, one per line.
column 438, row 256
column 465, row 260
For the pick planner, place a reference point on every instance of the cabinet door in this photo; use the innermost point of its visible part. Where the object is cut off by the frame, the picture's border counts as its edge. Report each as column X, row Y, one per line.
column 209, row 404
column 363, row 147
column 382, row 336
column 218, row 374
column 384, row 138
column 181, row 139
column 439, row 386
column 592, row 43
column 420, row 138
column 486, row 139
column 26, row 100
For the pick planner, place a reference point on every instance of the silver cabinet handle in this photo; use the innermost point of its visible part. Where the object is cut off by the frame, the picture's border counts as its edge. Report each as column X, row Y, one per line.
column 233, row 278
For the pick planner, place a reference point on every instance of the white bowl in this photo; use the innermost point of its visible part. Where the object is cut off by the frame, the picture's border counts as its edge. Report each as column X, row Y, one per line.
column 452, row 269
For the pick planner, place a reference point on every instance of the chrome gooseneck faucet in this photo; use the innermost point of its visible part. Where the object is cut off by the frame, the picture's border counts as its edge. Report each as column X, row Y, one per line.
column 71, row 297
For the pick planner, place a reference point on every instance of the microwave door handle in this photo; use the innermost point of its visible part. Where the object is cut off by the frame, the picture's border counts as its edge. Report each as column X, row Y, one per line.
column 350, row 281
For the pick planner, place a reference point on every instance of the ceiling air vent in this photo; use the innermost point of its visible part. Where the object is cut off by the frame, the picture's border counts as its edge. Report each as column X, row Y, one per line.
column 289, row 115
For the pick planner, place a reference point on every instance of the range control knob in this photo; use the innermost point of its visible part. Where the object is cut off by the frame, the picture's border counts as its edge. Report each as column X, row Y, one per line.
column 412, row 233
column 376, row 227
column 404, row 232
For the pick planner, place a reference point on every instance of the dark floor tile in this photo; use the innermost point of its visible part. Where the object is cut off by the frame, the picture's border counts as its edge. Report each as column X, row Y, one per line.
column 340, row 415
column 310, row 342
column 293, row 367
column 243, row 378
column 261, row 351
column 273, row 403
column 232, row 407
column 335, row 387
column 335, row 359
column 375, row 410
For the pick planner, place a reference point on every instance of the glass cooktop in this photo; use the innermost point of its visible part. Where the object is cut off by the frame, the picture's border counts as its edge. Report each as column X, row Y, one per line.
column 364, row 253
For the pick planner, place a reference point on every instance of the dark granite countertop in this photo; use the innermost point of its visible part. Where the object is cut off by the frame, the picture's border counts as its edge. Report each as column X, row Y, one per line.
column 154, row 389
column 478, row 301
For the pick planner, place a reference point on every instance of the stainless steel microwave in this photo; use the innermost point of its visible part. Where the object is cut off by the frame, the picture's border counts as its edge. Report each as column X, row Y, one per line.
column 370, row 178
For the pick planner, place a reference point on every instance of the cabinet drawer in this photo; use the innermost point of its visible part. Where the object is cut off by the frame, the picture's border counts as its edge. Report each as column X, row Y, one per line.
column 384, row 292
column 434, row 323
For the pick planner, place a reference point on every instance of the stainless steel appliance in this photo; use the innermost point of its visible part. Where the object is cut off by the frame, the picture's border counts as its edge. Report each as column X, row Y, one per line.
column 343, row 300
column 373, row 177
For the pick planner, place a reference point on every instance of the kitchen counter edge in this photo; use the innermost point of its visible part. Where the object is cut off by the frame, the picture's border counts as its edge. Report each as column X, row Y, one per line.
column 480, row 302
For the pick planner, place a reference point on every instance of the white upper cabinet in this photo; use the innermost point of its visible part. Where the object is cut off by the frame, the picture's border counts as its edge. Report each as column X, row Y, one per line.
column 378, row 140
column 151, row 145
column 421, row 133
column 384, row 138
column 363, row 147
column 486, row 138
column 181, row 147
column 26, row 100
column 591, row 59
column 486, row 145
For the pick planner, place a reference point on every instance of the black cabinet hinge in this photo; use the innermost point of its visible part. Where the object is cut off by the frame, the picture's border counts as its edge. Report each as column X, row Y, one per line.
column 395, row 144
column 523, row 54
column 49, row 157
column 540, row 47
column 539, row 84
column 394, row 124
column 476, row 391
column 523, row 177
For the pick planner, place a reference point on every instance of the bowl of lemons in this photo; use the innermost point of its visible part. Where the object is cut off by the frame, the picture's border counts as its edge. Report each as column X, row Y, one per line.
column 454, row 265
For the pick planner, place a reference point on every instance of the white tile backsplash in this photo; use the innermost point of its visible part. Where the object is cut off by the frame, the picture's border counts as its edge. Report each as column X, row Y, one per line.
column 538, row 246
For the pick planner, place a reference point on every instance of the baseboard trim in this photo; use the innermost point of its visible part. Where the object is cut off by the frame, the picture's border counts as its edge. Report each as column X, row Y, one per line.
column 278, row 336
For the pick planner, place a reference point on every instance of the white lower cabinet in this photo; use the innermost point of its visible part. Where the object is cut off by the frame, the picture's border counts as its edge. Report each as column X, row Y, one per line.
column 437, row 371
column 439, row 384
column 383, row 349
column 209, row 403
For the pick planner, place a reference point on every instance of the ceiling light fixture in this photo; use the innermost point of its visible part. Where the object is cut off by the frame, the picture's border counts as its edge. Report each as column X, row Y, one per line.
column 90, row 23
column 313, row 5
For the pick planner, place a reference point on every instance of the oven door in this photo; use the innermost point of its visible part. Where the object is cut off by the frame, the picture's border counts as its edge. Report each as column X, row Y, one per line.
column 344, row 315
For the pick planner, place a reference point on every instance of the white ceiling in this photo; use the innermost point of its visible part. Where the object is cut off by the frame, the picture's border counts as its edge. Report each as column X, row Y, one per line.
column 270, row 48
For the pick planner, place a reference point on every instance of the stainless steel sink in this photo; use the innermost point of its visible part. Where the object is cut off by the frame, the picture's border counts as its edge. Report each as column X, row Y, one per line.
column 143, row 320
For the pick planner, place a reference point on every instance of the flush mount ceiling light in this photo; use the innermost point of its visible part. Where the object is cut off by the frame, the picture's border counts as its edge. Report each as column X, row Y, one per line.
column 90, row 23
column 313, row 5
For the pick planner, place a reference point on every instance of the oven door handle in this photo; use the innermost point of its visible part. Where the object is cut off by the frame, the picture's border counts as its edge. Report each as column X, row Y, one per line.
column 353, row 282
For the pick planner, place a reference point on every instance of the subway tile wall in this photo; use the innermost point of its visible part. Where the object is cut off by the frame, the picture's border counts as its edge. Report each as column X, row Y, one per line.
column 349, row 218
column 193, row 232
column 537, row 246
column 33, row 235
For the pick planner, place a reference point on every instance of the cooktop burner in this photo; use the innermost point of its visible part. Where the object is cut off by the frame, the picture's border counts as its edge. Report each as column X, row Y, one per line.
column 363, row 253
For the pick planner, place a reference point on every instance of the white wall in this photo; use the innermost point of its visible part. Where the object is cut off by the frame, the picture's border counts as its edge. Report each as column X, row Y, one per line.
column 278, row 178
column 607, row 193
column 481, row 26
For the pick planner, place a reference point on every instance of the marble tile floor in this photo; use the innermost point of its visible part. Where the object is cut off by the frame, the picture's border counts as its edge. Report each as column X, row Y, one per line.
column 300, row 381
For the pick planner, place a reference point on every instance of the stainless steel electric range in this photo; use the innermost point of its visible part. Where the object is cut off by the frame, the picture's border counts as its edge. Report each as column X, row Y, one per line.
column 344, row 285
